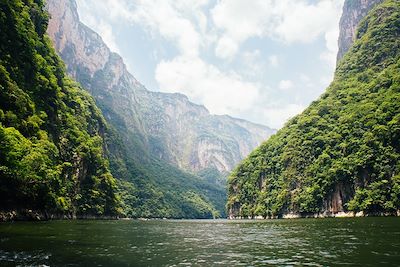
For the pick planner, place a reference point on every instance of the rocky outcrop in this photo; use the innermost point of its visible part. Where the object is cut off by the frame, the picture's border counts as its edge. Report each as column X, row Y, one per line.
column 90, row 62
column 168, row 126
column 353, row 12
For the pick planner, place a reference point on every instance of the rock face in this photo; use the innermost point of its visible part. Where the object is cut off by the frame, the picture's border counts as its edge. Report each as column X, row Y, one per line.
column 353, row 12
column 168, row 126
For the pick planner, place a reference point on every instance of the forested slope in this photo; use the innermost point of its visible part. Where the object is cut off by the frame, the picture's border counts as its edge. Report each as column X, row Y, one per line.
column 167, row 126
column 342, row 153
column 58, row 156
column 51, row 133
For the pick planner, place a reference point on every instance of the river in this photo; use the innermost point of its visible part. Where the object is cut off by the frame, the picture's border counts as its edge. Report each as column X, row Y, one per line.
column 315, row 242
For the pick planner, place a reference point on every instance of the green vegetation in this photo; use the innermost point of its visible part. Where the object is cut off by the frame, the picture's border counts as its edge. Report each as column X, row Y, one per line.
column 58, row 155
column 348, row 140
column 152, row 188
column 149, row 186
column 155, row 189
column 51, row 133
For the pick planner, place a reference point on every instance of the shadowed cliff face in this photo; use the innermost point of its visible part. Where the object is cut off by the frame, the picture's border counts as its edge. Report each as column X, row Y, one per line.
column 353, row 12
column 169, row 126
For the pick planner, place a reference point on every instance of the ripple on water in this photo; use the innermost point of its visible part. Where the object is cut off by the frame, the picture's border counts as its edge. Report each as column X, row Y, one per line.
column 24, row 258
column 204, row 243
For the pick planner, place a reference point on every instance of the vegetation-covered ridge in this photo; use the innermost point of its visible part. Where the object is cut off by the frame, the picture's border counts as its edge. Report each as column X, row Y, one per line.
column 58, row 156
column 148, row 183
column 51, row 133
column 342, row 153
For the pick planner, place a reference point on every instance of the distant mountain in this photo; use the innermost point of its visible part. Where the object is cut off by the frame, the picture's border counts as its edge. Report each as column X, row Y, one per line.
column 58, row 155
column 166, row 126
column 343, row 152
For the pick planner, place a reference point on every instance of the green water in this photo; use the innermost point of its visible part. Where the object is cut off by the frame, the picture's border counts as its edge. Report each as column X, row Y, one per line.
column 318, row 242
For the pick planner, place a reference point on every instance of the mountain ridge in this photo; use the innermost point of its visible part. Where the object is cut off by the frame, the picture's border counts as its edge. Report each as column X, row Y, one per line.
column 60, row 158
column 88, row 59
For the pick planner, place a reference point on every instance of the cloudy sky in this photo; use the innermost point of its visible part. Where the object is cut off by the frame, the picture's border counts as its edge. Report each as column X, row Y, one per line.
column 260, row 60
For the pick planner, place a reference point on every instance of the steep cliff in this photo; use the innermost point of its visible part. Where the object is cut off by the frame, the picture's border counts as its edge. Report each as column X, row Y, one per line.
column 52, row 135
column 148, row 185
column 342, row 153
column 167, row 126
column 353, row 12
column 58, row 156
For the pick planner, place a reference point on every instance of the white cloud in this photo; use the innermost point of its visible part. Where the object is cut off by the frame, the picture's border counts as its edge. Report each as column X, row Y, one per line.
column 171, row 19
column 251, row 56
column 286, row 20
column 226, row 48
column 277, row 115
column 220, row 92
column 238, row 20
column 113, row 10
column 273, row 60
column 103, row 28
column 325, row 80
column 163, row 17
column 106, row 33
column 241, row 20
column 252, row 64
column 331, row 39
column 306, row 80
column 200, row 27
column 285, row 84
column 303, row 22
column 184, row 24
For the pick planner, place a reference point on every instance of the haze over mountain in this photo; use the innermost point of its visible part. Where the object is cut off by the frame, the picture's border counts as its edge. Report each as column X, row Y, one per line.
column 59, row 156
column 263, row 61
column 86, row 139
column 121, row 175
column 168, row 126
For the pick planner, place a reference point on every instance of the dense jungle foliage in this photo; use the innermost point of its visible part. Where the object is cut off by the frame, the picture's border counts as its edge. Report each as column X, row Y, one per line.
column 349, row 138
column 57, row 153
column 51, row 132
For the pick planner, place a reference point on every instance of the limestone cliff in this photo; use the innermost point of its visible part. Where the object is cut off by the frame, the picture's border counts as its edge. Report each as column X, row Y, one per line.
column 353, row 12
column 168, row 126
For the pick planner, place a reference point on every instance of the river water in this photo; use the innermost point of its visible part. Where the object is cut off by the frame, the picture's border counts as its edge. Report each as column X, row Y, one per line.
column 314, row 242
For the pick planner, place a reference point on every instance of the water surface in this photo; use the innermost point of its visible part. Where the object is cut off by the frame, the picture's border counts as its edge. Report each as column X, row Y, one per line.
column 313, row 242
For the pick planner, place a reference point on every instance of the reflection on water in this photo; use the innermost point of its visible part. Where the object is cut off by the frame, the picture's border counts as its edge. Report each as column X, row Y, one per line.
column 314, row 242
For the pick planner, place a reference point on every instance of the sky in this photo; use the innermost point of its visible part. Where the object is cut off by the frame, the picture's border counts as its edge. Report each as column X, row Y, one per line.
column 260, row 60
